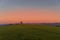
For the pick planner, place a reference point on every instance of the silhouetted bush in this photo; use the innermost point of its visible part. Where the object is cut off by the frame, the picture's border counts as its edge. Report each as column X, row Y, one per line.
column 57, row 26
column 10, row 24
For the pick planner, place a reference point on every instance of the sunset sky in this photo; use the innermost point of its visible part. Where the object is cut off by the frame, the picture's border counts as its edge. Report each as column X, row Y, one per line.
column 12, row 11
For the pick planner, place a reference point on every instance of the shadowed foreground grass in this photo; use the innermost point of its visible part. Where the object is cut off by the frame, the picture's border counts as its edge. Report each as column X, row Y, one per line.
column 29, row 32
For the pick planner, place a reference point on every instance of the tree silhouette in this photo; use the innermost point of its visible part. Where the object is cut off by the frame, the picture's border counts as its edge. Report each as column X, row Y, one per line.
column 21, row 22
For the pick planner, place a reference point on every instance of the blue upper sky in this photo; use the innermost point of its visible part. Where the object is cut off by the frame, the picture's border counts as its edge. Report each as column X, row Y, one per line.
column 29, row 3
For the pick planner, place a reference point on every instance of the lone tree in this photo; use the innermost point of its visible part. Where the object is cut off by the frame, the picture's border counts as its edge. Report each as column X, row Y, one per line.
column 21, row 22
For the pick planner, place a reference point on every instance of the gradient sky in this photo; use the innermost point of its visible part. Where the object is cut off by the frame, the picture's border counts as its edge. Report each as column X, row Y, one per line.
column 29, row 11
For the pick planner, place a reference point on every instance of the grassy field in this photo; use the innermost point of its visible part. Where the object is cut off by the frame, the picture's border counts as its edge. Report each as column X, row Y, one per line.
column 29, row 32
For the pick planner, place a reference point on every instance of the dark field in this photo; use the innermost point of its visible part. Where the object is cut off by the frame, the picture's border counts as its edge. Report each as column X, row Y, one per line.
column 29, row 32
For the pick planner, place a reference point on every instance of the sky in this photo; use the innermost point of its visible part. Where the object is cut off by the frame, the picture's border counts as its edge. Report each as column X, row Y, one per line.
column 12, row 11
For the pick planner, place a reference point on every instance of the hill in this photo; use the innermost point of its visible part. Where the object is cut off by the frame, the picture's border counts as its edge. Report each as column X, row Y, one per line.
column 29, row 32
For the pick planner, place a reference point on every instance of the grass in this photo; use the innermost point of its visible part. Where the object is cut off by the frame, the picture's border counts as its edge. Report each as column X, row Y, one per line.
column 29, row 32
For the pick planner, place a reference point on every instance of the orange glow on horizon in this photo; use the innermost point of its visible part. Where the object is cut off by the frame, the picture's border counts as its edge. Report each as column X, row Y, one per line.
column 29, row 15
